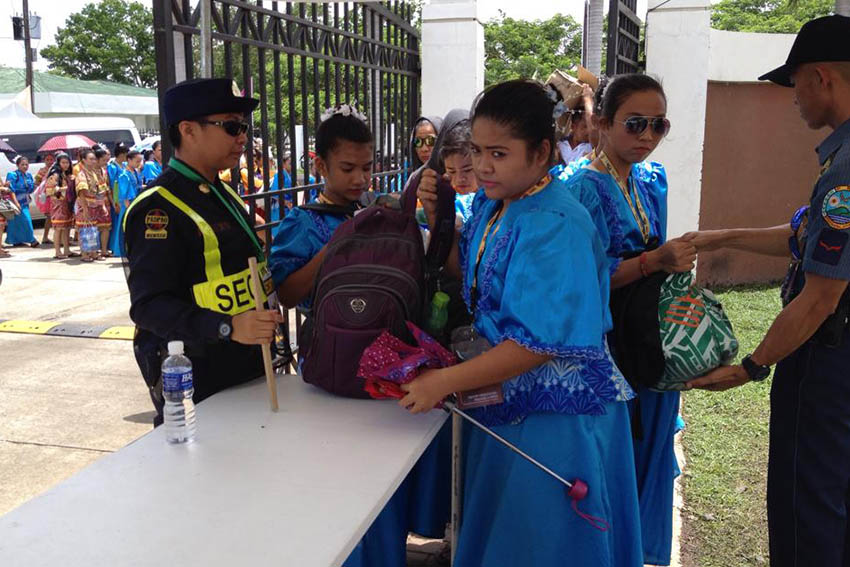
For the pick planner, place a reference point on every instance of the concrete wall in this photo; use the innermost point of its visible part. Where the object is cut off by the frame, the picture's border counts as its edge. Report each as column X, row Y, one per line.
column 677, row 53
column 452, row 55
column 759, row 166
column 738, row 154
column 759, row 161
column 744, row 57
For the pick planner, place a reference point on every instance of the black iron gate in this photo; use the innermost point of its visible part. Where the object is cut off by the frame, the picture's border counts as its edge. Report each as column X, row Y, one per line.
column 298, row 58
column 623, row 38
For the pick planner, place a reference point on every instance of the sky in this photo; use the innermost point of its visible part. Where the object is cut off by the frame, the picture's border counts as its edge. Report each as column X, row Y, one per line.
column 55, row 12
column 540, row 9
column 53, row 15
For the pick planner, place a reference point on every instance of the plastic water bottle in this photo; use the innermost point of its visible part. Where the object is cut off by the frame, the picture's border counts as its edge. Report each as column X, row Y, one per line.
column 438, row 316
column 177, row 391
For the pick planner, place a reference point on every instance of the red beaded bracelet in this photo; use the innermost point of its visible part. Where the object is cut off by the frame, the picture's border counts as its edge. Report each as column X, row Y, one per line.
column 643, row 267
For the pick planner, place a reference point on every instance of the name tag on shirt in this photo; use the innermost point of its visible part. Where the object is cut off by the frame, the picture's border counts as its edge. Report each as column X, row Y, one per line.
column 480, row 397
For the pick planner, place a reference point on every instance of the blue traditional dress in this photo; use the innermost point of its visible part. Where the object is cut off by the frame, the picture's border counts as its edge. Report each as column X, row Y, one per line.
column 463, row 205
column 151, row 170
column 19, row 229
column 659, row 411
column 129, row 186
column 422, row 503
column 113, row 172
column 542, row 282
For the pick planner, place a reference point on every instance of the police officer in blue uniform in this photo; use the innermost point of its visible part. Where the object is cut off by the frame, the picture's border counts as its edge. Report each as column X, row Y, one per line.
column 188, row 239
column 808, row 493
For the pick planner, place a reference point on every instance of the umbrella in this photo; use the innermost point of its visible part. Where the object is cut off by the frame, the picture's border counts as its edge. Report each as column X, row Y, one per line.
column 5, row 147
column 66, row 142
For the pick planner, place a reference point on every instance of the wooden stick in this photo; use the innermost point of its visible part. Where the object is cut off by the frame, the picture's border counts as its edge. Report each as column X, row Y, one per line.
column 267, row 350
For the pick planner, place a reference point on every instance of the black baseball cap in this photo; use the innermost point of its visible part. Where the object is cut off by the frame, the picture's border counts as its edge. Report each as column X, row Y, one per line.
column 820, row 40
column 202, row 97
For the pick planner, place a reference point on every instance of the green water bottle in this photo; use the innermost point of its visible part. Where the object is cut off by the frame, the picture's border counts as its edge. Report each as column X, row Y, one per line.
column 439, row 315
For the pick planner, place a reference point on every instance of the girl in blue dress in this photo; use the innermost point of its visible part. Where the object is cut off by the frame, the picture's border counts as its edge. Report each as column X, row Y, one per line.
column 114, row 169
column 19, row 230
column 153, row 167
column 129, row 185
column 536, row 278
column 627, row 198
column 344, row 148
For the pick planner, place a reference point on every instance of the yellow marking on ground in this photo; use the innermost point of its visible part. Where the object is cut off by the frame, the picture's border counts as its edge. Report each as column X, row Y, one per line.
column 29, row 327
column 123, row 333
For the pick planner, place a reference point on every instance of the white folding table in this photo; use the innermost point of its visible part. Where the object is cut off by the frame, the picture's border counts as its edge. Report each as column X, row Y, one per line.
column 295, row 488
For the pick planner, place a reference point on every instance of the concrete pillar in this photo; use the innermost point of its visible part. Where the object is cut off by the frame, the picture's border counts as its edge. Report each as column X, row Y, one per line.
column 452, row 55
column 677, row 53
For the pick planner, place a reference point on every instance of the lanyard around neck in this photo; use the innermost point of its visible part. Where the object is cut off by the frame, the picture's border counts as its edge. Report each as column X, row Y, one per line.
column 193, row 175
column 493, row 222
column 635, row 205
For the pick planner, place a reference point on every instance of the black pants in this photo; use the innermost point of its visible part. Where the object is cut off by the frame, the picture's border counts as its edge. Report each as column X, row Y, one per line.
column 808, row 484
column 214, row 368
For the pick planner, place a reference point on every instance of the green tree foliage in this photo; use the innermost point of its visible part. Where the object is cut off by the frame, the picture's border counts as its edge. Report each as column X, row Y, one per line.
column 110, row 40
column 767, row 16
column 527, row 49
column 319, row 93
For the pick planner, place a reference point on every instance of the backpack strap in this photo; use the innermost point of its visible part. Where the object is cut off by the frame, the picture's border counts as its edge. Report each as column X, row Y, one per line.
column 443, row 233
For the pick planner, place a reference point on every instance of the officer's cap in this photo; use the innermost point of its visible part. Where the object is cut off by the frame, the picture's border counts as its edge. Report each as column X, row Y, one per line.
column 202, row 97
column 820, row 40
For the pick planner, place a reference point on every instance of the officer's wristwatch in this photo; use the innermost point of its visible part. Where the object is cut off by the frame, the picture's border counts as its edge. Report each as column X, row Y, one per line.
column 756, row 372
column 225, row 328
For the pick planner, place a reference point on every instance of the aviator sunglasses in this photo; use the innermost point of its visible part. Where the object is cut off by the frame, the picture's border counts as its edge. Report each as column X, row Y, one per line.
column 637, row 125
column 426, row 141
column 231, row 127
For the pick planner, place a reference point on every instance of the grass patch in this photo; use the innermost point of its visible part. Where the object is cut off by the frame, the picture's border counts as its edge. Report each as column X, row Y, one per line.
column 726, row 445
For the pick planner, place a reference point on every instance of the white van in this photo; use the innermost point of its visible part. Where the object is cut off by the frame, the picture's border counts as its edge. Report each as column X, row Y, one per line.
column 26, row 135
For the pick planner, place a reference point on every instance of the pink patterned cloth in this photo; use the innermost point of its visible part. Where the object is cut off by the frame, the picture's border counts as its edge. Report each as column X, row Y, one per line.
column 389, row 362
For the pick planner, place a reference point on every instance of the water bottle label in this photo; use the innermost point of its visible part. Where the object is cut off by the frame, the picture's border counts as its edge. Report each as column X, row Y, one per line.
column 176, row 381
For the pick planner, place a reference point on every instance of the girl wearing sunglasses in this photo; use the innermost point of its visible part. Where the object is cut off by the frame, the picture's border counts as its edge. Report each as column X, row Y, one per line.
column 627, row 198
column 422, row 140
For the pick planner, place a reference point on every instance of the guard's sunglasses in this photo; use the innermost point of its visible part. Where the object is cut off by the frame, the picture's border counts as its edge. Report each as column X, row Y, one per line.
column 426, row 141
column 231, row 127
column 637, row 125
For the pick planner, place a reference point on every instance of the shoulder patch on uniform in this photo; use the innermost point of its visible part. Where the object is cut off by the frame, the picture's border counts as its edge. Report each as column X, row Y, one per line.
column 829, row 246
column 836, row 207
column 156, row 221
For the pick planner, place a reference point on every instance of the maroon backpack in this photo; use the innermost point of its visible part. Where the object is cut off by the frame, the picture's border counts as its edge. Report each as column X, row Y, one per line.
column 375, row 276
column 372, row 280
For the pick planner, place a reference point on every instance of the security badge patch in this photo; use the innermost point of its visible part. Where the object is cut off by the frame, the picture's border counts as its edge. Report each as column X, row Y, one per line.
column 156, row 222
column 836, row 207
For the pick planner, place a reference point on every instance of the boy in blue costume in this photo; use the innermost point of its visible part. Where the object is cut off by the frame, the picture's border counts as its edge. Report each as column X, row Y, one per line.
column 536, row 278
column 344, row 148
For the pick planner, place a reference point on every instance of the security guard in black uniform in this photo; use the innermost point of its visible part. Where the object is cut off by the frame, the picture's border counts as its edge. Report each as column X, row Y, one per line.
column 188, row 240
column 808, row 486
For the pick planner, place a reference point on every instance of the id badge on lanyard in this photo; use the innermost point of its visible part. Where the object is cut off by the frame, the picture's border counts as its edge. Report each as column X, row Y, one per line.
column 465, row 341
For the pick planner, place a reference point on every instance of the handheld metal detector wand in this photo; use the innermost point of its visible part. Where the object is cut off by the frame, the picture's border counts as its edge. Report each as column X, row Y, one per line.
column 453, row 408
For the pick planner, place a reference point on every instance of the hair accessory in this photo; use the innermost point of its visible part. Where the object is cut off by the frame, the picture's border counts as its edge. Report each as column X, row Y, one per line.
column 344, row 110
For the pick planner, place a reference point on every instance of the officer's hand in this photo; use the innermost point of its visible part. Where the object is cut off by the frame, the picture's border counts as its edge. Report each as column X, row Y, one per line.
column 706, row 240
column 677, row 255
column 723, row 378
column 255, row 327
column 427, row 195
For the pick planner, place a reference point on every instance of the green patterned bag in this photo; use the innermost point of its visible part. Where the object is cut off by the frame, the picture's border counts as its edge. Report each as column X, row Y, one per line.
column 696, row 334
